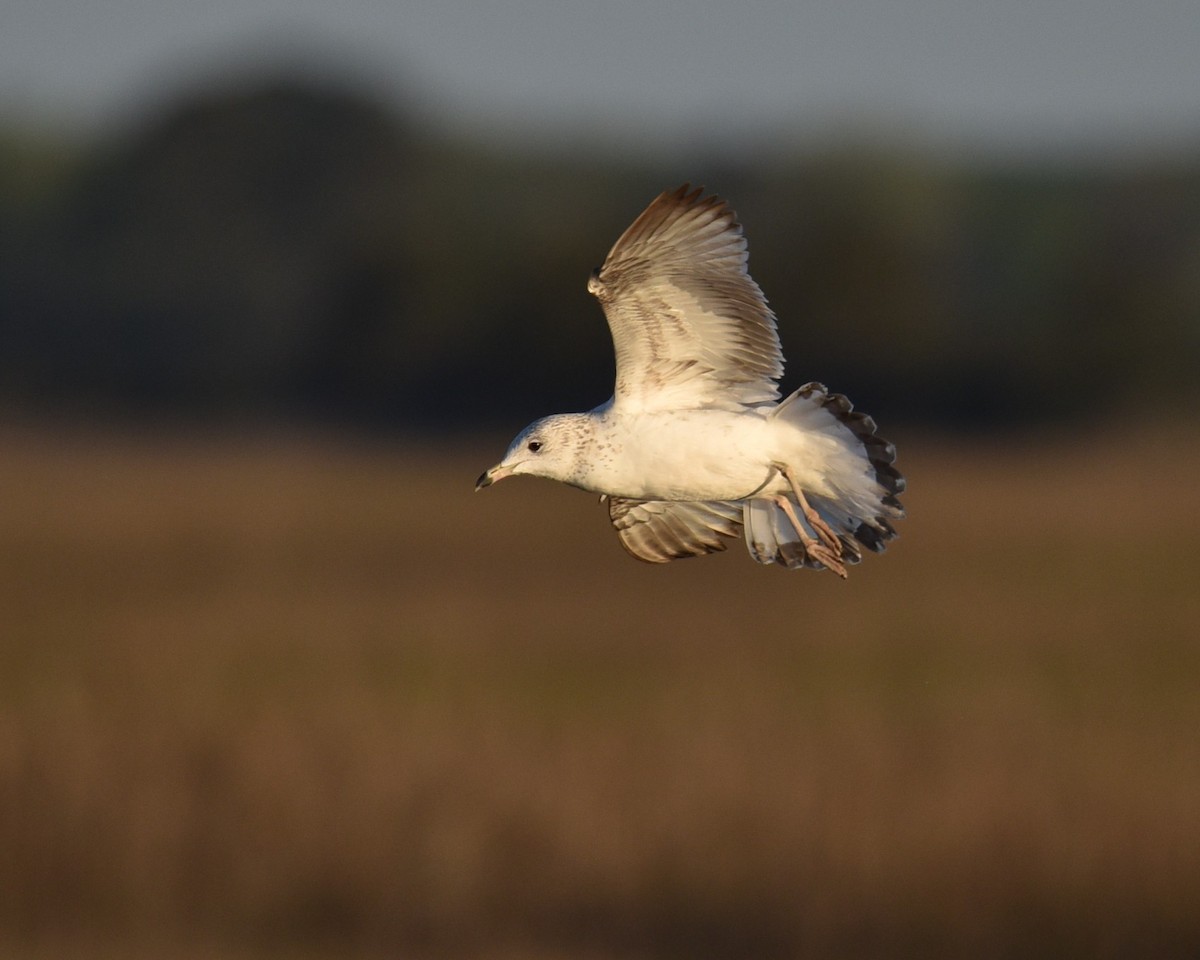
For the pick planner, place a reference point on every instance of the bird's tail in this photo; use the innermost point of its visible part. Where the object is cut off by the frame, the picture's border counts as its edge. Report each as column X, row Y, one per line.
column 857, row 499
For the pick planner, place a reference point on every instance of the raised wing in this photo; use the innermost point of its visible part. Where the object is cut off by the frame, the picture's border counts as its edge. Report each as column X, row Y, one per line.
column 660, row 530
column 689, row 326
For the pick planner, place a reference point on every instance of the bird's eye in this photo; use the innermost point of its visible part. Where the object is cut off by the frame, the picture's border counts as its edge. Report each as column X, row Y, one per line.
column 534, row 446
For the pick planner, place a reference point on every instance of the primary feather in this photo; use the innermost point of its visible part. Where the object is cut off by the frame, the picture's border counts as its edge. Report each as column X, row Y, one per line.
column 695, row 445
column 689, row 325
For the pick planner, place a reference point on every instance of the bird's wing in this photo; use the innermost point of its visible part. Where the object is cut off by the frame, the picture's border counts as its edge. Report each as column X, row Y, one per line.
column 689, row 325
column 660, row 530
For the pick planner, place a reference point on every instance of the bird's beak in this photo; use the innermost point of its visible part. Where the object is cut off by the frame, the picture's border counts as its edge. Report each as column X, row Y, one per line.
column 488, row 477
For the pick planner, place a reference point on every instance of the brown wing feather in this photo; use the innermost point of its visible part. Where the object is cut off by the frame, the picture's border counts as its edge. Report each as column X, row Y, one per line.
column 689, row 325
column 660, row 530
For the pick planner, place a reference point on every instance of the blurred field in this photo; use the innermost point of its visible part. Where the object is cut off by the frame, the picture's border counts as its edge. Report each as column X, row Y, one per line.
column 303, row 699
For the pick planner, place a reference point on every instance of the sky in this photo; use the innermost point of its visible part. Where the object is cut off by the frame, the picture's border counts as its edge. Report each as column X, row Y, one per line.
column 1002, row 75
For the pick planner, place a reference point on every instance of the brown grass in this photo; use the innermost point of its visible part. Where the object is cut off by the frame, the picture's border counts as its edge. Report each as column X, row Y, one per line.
column 290, row 698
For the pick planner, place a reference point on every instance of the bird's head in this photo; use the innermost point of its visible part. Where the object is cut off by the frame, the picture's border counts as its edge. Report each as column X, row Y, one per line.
column 550, row 447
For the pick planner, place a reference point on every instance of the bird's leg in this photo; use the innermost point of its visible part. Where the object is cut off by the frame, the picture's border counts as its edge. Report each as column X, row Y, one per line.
column 820, row 526
column 814, row 548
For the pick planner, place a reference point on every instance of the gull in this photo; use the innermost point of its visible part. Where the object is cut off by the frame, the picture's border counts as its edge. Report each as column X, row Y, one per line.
column 694, row 442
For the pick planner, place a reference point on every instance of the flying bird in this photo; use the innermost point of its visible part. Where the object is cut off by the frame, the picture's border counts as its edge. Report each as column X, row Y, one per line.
column 695, row 442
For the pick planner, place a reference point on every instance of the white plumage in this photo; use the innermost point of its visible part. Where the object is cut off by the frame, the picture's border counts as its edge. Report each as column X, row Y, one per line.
column 693, row 443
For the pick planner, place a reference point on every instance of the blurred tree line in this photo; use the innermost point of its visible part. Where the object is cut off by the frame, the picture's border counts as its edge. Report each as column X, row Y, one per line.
column 292, row 249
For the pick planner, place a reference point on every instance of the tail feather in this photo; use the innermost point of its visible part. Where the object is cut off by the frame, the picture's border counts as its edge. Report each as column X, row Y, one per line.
column 880, row 453
column 860, row 498
column 770, row 537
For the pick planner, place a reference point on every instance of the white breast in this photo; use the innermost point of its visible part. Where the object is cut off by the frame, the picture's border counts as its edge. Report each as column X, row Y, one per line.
column 683, row 455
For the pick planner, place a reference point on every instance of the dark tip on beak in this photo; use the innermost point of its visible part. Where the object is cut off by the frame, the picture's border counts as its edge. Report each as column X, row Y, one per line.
column 492, row 475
